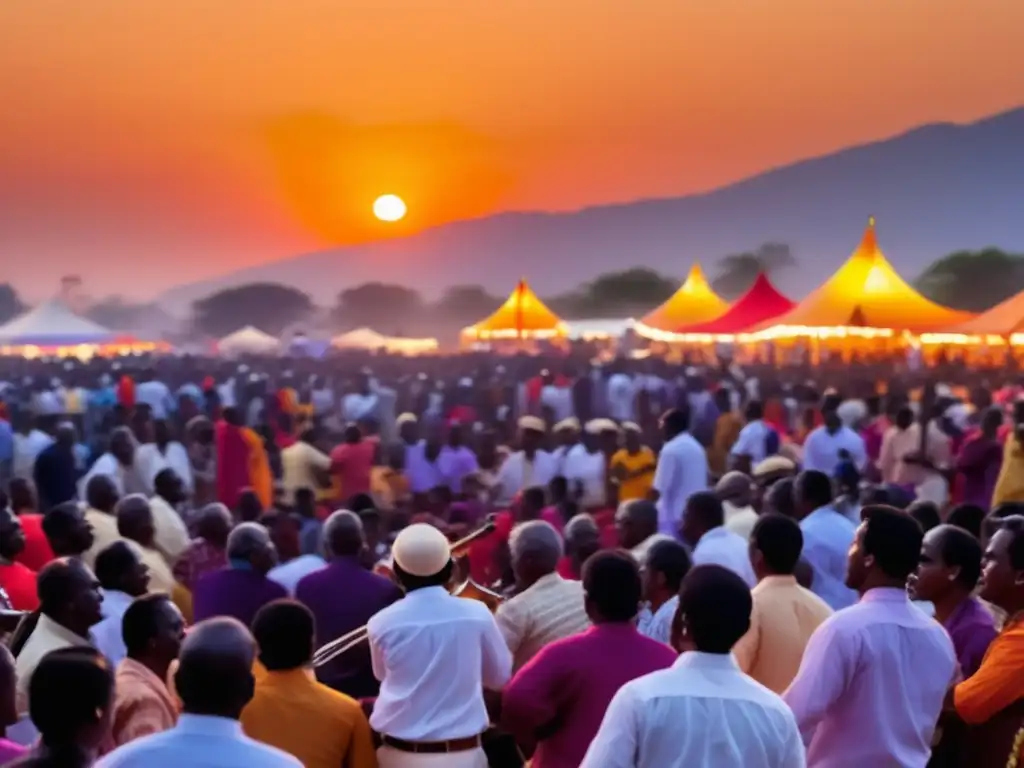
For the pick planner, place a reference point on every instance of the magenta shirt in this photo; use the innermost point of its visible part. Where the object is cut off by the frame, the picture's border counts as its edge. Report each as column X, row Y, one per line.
column 972, row 629
column 567, row 687
column 979, row 463
column 9, row 751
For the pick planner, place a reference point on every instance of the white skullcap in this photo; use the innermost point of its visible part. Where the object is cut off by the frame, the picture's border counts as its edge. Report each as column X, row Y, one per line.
column 572, row 424
column 852, row 411
column 406, row 418
column 598, row 426
column 533, row 423
column 630, row 426
column 772, row 465
column 421, row 550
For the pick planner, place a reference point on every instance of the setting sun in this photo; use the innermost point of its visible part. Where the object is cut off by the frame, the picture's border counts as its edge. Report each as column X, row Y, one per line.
column 389, row 208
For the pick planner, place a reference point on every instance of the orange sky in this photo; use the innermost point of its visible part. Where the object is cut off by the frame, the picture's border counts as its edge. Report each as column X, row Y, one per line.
column 149, row 142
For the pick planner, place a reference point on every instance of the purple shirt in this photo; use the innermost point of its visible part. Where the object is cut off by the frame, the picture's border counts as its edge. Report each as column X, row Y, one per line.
column 972, row 629
column 235, row 592
column 424, row 474
column 565, row 689
column 979, row 463
column 9, row 750
column 343, row 596
column 870, row 687
column 455, row 464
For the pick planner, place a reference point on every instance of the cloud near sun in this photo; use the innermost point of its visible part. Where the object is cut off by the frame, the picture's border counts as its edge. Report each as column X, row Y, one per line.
column 329, row 172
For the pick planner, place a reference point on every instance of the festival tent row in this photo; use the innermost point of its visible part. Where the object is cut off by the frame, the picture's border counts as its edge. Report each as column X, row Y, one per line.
column 369, row 339
column 52, row 330
column 522, row 316
column 864, row 298
column 248, row 341
column 693, row 303
column 994, row 327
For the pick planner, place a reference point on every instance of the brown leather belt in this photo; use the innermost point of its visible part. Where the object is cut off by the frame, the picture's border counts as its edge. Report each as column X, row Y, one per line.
column 431, row 747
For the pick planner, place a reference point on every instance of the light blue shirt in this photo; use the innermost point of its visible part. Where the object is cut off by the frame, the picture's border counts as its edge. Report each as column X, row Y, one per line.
column 827, row 539
column 821, row 450
column 107, row 635
column 289, row 574
column 658, row 625
column 199, row 741
column 6, row 442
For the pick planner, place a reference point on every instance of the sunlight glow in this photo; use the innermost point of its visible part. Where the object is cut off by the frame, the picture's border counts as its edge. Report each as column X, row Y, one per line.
column 389, row 208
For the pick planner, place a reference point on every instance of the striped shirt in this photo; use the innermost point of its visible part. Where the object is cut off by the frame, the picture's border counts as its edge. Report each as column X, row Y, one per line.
column 549, row 610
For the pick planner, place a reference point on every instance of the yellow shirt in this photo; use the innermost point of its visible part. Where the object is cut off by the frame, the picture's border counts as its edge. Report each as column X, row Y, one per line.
column 1010, row 484
column 104, row 533
column 783, row 619
column 635, row 486
column 316, row 724
column 299, row 466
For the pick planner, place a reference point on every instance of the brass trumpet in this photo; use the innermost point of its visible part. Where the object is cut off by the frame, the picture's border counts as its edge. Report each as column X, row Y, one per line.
column 466, row 589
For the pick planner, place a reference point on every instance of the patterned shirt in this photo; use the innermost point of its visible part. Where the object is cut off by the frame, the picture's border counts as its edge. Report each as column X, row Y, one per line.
column 142, row 703
column 200, row 558
column 552, row 608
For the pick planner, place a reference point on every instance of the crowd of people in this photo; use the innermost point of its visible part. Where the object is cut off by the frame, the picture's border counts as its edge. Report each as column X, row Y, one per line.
column 267, row 563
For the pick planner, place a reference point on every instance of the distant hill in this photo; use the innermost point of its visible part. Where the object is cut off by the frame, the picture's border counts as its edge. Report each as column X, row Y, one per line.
column 935, row 189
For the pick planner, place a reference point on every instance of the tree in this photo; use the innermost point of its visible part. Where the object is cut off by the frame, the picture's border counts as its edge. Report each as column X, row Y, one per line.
column 385, row 307
column 466, row 304
column 973, row 280
column 617, row 294
column 10, row 303
column 737, row 272
column 268, row 306
column 119, row 314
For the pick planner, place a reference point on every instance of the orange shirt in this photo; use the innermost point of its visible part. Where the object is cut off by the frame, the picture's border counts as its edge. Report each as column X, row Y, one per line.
column 999, row 681
column 321, row 727
column 19, row 582
column 143, row 704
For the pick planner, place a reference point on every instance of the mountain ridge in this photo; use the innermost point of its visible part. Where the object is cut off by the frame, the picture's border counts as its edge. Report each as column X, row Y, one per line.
column 933, row 189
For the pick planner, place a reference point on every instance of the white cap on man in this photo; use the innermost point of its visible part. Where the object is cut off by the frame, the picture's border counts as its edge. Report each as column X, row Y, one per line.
column 421, row 550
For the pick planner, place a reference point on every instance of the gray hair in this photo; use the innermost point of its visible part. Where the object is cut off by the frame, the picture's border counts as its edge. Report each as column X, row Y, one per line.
column 247, row 539
column 342, row 525
column 582, row 526
column 538, row 540
column 639, row 511
column 215, row 510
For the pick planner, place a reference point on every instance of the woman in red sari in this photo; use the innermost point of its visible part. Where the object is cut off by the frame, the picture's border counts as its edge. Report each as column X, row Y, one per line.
column 241, row 461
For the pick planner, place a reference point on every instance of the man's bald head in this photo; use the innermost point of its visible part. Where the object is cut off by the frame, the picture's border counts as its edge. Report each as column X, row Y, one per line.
column 214, row 524
column 736, row 488
column 135, row 519
column 214, row 675
column 343, row 534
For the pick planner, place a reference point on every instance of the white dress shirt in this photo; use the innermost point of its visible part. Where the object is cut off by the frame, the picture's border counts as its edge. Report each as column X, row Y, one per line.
column 720, row 546
column 434, row 654
column 289, row 574
column 151, row 461
column 621, row 397
column 702, row 711
column 107, row 634
column 657, row 625
column 827, row 539
column 157, row 396
column 199, row 741
column 751, row 442
column 587, row 469
column 558, row 399
column 356, row 407
column 26, row 450
column 518, row 473
column 681, row 472
column 821, row 449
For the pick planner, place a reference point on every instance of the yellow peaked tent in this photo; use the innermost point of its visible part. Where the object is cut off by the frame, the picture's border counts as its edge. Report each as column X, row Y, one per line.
column 692, row 304
column 1004, row 321
column 522, row 316
column 864, row 298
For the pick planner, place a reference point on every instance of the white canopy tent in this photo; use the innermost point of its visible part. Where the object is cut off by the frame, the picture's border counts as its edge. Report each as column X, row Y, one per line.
column 53, row 324
column 369, row 339
column 248, row 341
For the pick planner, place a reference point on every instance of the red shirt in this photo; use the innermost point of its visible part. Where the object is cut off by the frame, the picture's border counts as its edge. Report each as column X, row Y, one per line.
column 37, row 552
column 352, row 464
column 19, row 582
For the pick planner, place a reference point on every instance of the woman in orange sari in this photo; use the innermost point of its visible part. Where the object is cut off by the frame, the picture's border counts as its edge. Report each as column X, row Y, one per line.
column 241, row 461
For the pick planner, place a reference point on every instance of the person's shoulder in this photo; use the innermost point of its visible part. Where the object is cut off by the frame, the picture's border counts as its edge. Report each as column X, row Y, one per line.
column 338, row 704
column 812, row 601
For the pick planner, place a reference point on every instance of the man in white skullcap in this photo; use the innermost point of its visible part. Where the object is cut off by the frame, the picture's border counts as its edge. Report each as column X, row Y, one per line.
column 585, row 466
column 434, row 655
column 529, row 466
column 567, row 435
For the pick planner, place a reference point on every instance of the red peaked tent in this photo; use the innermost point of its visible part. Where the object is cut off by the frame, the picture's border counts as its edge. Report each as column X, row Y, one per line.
column 760, row 303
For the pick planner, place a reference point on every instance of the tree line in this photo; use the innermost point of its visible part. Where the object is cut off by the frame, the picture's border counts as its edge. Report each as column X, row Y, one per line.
column 967, row 280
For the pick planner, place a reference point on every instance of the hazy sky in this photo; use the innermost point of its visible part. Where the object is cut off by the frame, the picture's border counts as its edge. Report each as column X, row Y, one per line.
column 145, row 143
